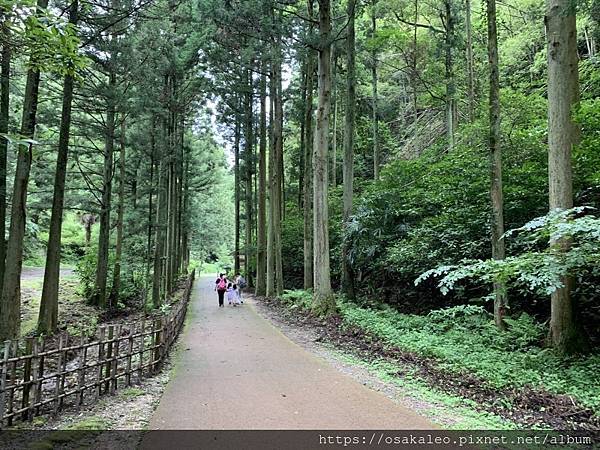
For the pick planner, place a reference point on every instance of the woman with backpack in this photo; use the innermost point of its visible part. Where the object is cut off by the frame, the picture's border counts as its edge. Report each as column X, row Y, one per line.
column 221, row 288
column 241, row 283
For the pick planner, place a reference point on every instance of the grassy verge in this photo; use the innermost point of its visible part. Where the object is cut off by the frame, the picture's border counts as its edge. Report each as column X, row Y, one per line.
column 450, row 411
column 464, row 339
column 81, row 317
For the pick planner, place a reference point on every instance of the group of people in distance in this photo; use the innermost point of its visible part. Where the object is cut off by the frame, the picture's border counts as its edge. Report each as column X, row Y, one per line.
column 233, row 289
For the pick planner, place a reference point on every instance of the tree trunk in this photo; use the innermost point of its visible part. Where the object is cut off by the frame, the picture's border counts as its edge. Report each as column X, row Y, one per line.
column 236, row 181
column 151, row 192
column 278, row 163
column 116, row 285
column 347, row 274
column 414, row 74
column 497, row 214
column 160, row 228
column 261, row 238
column 563, row 133
column 270, row 288
column 450, row 88
column 376, row 157
column 470, row 68
column 10, row 305
column 323, row 300
column 308, row 164
column 48, row 317
column 99, row 297
column 4, row 119
column 334, row 102
column 249, row 160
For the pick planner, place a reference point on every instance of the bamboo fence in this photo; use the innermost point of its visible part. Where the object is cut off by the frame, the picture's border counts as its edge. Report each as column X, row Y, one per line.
column 36, row 380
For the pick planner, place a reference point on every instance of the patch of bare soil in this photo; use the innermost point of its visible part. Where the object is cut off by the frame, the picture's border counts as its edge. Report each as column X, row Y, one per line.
column 529, row 407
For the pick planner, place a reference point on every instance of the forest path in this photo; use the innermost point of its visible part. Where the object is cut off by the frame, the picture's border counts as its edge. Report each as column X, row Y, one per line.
column 235, row 370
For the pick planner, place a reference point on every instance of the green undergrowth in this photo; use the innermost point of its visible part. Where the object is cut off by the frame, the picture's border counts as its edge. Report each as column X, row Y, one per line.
column 465, row 339
column 452, row 412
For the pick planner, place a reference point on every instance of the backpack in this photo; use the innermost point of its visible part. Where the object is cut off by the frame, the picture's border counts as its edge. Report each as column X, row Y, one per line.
column 242, row 283
column 222, row 285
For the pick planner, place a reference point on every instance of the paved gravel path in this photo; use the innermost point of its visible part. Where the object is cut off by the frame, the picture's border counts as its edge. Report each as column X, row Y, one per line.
column 237, row 371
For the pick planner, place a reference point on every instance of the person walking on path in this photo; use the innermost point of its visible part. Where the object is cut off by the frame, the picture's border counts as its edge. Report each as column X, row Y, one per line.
column 232, row 294
column 221, row 288
column 241, row 283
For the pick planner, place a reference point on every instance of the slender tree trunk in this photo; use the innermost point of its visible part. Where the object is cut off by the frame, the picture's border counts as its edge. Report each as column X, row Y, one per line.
column 308, row 162
column 151, row 193
column 237, row 197
column 376, row 162
column 10, row 305
column 497, row 213
column 347, row 273
column 414, row 74
column 563, row 133
column 48, row 316
column 249, row 157
column 99, row 296
column 116, row 285
column 334, row 133
column 4, row 119
column 270, row 288
column 160, row 235
column 261, row 238
column 334, row 103
column 302, row 136
column 278, row 163
column 450, row 88
column 470, row 68
column 323, row 300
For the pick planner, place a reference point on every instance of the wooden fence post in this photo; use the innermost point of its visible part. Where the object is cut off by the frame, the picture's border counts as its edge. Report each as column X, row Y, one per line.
column 115, row 361
column 109, row 353
column 81, row 375
column 3, row 381
column 13, row 378
column 42, row 348
column 58, row 370
column 142, row 339
column 129, row 352
column 157, row 343
column 26, row 378
column 63, row 369
column 35, row 371
column 100, row 361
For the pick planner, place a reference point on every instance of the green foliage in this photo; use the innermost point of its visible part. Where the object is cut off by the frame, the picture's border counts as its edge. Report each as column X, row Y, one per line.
column 465, row 339
column 297, row 298
column 539, row 270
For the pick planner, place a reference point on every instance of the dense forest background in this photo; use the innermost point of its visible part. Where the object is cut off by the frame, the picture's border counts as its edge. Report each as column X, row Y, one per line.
column 367, row 153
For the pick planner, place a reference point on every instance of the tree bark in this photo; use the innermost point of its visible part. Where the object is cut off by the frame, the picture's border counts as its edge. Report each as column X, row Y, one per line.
column 323, row 300
column 237, row 199
column 261, row 238
column 270, row 287
column 249, row 160
column 347, row 273
column 116, row 285
column 160, row 228
column 278, row 163
column 4, row 120
column 99, row 296
column 563, row 133
column 376, row 156
column 470, row 68
column 308, row 163
column 450, row 87
column 48, row 316
column 10, row 305
column 496, row 195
